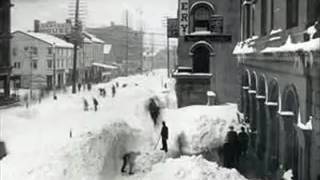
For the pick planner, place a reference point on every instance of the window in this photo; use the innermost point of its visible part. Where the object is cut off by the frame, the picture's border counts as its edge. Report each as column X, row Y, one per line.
column 263, row 17
column 292, row 13
column 35, row 64
column 272, row 14
column 49, row 63
column 49, row 50
column 14, row 52
column 201, row 17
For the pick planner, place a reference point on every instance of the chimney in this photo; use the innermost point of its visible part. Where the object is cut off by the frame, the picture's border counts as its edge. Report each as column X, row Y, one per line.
column 36, row 25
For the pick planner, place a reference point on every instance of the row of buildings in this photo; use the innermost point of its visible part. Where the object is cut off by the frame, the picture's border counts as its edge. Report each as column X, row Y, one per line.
column 263, row 55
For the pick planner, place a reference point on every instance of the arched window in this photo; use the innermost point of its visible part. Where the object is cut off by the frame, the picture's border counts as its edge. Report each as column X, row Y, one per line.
column 292, row 13
column 201, row 60
column 201, row 13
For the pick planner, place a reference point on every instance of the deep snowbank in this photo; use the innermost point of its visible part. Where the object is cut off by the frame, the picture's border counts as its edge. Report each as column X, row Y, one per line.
column 198, row 129
column 191, row 168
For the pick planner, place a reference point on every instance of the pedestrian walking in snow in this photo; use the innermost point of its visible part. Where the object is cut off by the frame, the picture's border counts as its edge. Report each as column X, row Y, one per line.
column 232, row 138
column 164, row 137
column 79, row 87
column 243, row 138
column 154, row 110
column 3, row 150
column 95, row 104
column 89, row 86
column 85, row 105
column 117, row 84
column 113, row 89
column 129, row 159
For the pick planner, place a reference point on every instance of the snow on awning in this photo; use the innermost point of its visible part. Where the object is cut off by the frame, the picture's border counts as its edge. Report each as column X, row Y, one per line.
column 211, row 94
column 104, row 66
column 286, row 113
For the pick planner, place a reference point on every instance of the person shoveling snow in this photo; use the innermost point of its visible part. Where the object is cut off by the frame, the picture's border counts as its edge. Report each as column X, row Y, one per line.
column 129, row 158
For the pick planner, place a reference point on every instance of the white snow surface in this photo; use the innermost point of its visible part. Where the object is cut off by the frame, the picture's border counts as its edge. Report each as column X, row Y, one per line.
column 40, row 147
column 288, row 175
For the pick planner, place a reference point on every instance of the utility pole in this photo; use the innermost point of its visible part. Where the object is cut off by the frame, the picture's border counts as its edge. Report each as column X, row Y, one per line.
column 127, row 43
column 31, row 64
column 168, row 50
column 54, row 70
column 75, row 46
column 152, row 51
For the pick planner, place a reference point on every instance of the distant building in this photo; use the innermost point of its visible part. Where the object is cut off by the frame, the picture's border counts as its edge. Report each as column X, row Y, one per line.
column 116, row 35
column 208, row 31
column 89, row 51
column 5, row 68
column 35, row 55
column 53, row 27
column 279, row 57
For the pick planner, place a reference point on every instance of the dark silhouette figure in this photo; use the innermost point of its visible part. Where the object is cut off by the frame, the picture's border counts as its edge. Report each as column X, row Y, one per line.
column 232, row 139
column 154, row 110
column 79, row 87
column 95, row 104
column 85, row 105
column 164, row 137
column 89, row 86
column 113, row 89
column 117, row 84
column 129, row 158
column 243, row 138
column 3, row 150
column 227, row 155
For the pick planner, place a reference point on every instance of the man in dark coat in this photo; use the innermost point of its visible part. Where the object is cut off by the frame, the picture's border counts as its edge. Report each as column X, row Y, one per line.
column 164, row 136
column 227, row 155
column 154, row 110
column 129, row 158
column 243, row 138
column 113, row 90
column 79, row 87
column 232, row 138
column 95, row 103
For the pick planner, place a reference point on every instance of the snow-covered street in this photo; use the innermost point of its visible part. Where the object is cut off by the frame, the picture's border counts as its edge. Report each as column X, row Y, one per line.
column 58, row 140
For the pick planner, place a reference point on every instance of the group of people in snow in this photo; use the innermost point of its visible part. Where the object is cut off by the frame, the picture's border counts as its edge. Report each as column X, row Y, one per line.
column 236, row 145
column 86, row 104
column 83, row 86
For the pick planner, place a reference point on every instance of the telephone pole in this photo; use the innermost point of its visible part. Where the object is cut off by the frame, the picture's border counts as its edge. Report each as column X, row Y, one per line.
column 152, row 51
column 75, row 47
column 127, row 43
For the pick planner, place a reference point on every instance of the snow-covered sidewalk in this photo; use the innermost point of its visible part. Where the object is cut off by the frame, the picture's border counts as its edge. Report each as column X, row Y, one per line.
column 40, row 147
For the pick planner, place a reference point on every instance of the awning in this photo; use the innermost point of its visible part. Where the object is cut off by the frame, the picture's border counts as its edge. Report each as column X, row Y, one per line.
column 105, row 66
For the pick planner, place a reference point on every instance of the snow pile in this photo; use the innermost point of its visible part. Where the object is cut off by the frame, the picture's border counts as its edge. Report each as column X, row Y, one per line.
column 197, row 129
column 191, row 168
column 288, row 175
column 275, row 31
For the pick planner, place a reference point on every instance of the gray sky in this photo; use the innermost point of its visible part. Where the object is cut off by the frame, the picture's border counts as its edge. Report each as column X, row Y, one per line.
column 99, row 12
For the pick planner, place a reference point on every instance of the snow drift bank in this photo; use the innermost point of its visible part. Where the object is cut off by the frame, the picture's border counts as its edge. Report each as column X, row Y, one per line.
column 191, row 168
column 93, row 156
column 197, row 129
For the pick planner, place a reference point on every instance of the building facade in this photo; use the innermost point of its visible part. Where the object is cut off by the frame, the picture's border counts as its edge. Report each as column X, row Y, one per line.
column 5, row 68
column 208, row 31
column 122, row 38
column 37, row 57
column 279, row 57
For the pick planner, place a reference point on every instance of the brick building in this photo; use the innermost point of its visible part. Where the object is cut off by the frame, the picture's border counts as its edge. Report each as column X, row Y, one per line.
column 116, row 35
column 208, row 31
column 5, row 68
column 279, row 57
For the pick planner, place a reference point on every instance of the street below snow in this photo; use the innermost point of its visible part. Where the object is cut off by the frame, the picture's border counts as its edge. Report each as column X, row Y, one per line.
column 57, row 140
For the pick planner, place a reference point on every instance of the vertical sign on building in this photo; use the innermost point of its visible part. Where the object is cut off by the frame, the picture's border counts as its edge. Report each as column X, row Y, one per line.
column 183, row 17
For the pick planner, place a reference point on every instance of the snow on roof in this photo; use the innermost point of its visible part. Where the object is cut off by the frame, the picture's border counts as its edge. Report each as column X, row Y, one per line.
column 243, row 48
column 286, row 113
column 104, row 66
column 48, row 39
column 107, row 48
column 93, row 38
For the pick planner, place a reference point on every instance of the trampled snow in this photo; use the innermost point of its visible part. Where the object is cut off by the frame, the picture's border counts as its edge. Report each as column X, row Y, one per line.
column 57, row 140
